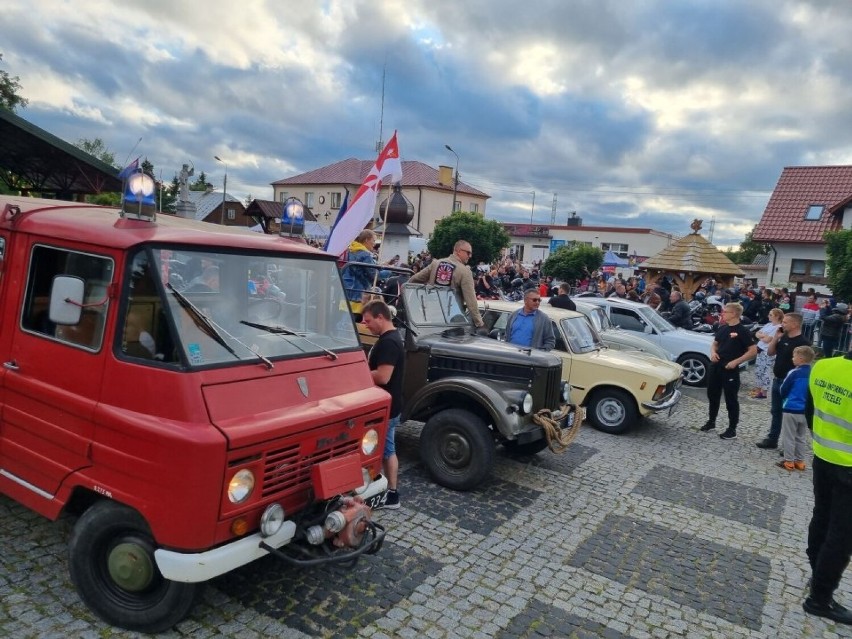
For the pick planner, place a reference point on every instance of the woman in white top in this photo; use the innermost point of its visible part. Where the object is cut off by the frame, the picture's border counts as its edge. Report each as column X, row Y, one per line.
column 763, row 369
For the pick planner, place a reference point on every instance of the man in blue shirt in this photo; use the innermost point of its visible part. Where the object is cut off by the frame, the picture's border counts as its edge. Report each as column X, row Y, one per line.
column 530, row 327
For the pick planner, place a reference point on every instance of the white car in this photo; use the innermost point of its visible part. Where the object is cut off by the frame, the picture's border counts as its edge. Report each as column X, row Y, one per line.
column 689, row 349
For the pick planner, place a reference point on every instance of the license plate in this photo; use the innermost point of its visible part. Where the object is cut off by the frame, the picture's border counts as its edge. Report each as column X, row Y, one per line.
column 375, row 500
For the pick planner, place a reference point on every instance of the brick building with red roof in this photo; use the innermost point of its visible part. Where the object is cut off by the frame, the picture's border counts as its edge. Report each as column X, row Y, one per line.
column 807, row 202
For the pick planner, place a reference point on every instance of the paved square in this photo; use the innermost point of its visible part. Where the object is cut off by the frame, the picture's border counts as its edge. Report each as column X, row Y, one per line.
column 722, row 581
column 726, row 499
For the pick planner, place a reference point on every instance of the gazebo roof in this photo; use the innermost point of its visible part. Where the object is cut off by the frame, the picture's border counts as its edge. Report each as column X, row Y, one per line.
column 693, row 254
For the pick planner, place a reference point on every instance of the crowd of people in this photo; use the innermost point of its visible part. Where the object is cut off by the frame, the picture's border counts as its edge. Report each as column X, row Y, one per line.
column 805, row 397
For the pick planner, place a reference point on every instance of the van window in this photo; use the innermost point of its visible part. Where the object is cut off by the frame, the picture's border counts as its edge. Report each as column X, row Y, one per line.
column 96, row 271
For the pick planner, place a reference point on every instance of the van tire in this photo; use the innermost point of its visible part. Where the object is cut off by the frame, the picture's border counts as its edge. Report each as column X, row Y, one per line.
column 111, row 560
column 457, row 449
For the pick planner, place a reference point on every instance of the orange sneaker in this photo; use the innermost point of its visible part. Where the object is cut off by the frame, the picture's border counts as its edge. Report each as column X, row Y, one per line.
column 799, row 465
column 786, row 465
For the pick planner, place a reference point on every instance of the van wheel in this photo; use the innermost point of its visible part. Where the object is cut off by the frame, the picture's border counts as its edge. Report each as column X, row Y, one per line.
column 111, row 559
column 612, row 411
column 695, row 369
column 457, row 449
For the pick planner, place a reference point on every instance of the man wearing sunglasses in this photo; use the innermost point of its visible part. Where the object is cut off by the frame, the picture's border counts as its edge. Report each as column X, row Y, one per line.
column 529, row 327
column 453, row 271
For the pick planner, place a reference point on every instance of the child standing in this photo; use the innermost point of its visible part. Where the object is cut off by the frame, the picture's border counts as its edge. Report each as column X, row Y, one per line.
column 794, row 395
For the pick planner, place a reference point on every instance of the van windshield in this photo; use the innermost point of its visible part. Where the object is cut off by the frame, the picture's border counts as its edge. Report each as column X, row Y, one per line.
column 202, row 308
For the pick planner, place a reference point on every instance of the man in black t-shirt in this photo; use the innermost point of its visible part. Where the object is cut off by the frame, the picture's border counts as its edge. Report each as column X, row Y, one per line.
column 784, row 341
column 562, row 300
column 732, row 345
column 387, row 365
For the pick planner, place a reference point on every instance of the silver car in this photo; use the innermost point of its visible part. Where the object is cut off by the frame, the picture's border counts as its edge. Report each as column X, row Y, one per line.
column 690, row 350
column 617, row 338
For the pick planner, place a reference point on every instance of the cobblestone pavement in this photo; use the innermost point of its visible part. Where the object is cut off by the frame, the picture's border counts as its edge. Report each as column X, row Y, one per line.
column 662, row 532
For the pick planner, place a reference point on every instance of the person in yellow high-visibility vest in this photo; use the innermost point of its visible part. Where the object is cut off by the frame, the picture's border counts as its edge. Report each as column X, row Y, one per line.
column 830, row 531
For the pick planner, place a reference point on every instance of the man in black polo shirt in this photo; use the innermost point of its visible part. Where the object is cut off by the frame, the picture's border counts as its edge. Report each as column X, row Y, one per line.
column 789, row 337
column 732, row 345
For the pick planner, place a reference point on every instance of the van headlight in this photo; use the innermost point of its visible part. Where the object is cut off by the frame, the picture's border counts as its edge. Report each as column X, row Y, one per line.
column 241, row 486
column 369, row 441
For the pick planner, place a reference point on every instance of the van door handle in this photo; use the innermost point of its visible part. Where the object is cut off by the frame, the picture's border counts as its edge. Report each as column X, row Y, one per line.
column 11, row 366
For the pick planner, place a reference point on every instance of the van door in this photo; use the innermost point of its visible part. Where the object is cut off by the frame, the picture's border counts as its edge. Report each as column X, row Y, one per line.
column 53, row 375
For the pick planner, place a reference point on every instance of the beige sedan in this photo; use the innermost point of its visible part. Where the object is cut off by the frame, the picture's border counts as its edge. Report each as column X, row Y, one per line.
column 616, row 387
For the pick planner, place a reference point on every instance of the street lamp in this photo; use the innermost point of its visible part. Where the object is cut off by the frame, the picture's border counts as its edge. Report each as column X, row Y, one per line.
column 224, row 189
column 456, row 180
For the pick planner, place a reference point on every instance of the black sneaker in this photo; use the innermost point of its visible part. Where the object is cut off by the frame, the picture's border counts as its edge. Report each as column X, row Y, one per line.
column 729, row 434
column 708, row 426
column 832, row 610
column 767, row 444
column 390, row 501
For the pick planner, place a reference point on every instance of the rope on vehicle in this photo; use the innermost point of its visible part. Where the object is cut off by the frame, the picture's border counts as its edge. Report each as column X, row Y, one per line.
column 558, row 439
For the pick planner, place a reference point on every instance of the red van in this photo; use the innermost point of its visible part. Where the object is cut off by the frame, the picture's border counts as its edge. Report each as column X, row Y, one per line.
column 193, row 423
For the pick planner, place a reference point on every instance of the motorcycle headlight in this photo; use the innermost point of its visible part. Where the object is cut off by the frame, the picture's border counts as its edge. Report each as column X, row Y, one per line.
column 369, row 441
column 241, row 486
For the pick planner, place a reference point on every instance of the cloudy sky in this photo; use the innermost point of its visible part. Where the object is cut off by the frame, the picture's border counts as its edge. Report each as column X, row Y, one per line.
column 641, row 113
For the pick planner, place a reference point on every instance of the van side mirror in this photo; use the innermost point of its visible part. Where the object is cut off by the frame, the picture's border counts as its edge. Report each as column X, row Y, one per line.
column 66, row 300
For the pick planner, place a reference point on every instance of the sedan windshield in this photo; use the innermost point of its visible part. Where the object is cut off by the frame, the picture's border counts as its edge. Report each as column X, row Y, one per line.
column 201, row 308
column 579, row 335
column 654, row 319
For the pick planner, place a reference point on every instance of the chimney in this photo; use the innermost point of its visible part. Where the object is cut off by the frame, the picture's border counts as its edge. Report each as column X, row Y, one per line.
column 445, row 175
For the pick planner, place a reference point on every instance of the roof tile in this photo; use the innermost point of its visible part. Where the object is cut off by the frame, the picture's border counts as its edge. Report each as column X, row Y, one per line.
column 798, row 188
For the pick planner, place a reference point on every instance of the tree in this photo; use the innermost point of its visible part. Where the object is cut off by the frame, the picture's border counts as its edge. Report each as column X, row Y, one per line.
column 487, row 237
column 97, row 148
column 201, row 183
column 749, row 249
column 839, row 251
column 9, row 88
column 569, row 263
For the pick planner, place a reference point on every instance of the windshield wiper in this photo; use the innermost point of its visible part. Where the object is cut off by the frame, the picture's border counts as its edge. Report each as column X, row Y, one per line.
column 283, row 330
column 212, row 329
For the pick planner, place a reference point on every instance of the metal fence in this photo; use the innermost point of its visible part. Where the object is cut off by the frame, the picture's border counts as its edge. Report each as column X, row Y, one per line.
column 812, row 330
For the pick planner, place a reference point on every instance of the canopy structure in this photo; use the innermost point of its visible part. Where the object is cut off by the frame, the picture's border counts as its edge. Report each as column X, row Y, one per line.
column 33, row 160
column 689, row 261
column 611, row 259
column 315, row 229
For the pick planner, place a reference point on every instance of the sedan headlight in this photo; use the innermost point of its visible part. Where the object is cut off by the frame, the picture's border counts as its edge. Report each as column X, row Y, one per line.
column 369, row 441
column 241, row 486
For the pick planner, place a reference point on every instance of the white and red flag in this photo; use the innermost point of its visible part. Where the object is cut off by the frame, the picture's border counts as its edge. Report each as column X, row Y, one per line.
column 361, row 209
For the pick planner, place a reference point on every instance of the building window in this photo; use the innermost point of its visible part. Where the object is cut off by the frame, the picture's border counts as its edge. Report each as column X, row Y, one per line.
column 474, row 208
column 814, row 212
column 619, row 249
column 232, row 214
column 336, row 200
column 309, row 199
column 456, row 206
column 284, row 196
column 807, row 268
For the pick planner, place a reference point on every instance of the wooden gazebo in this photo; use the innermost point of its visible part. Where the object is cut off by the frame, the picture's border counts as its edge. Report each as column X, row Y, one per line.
column 689, row 261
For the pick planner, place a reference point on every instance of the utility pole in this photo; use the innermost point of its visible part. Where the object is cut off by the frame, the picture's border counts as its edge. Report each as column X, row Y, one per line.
column 455, row 180
column 224, row 189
